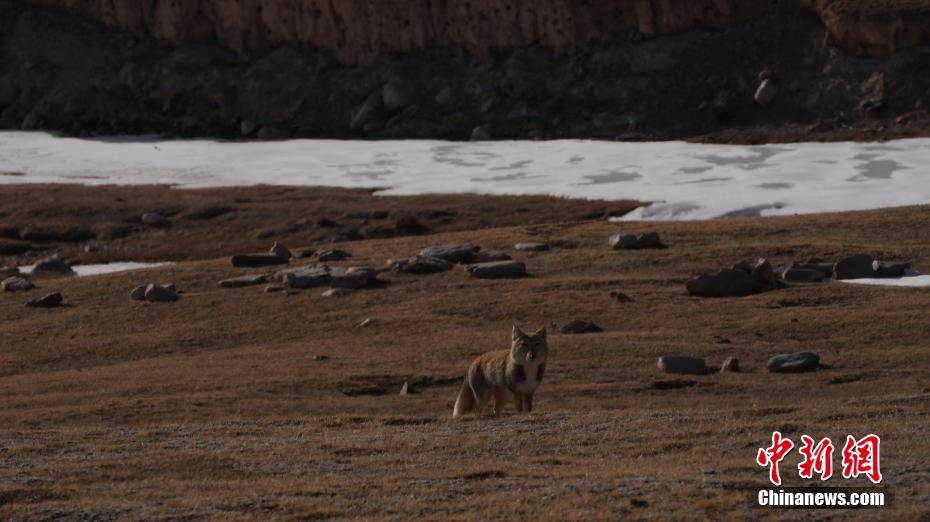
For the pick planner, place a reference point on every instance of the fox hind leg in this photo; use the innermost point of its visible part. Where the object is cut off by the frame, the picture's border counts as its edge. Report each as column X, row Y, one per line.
column 501, row 397
column 528, row 402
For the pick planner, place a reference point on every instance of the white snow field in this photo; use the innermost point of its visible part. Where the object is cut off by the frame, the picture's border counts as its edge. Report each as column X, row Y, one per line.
column 684, row 180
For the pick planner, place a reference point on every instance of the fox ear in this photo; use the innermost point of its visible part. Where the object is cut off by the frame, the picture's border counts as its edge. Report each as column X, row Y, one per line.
column 541, row 334
column 517, row 333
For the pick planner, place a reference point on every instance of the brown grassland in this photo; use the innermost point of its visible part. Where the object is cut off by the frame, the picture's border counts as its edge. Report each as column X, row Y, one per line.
column 220, row 406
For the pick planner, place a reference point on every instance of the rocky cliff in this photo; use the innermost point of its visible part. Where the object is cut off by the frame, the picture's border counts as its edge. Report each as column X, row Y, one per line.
column 358, row 31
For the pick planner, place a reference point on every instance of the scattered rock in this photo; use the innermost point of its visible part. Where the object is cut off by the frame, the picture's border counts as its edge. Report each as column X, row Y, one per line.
column 256, row 261
column 320, row 357
column 52, row 265
column 338, row 292
column 405, row 389
column 454, row 253
column 854, row 267
column 620, row 297
column 153, row 219
column 496, row 270
column 726, row 283
column 885, row 269
column 532, row 247
column 281, row 252
column 420, row 265
column 244, row 281
column 51, row 300
column 683, row 365
column 730, row 364
column 636, row 242
column 489, row 256
column 16, row 284
column 481, row 133
column 350, row 280
column 160, row 293
column 366, row 323
column 766, row 92
column 138, row 293
column 794, row 362
column 802, row 275
column 579, row 326
column 310, row 276
column 332, row 255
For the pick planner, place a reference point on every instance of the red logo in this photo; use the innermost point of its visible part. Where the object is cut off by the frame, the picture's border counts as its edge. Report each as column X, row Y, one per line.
column 773, row 455
column 860, row 457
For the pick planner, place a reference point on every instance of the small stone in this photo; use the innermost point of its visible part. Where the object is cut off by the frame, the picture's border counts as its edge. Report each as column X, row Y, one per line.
column 481, row 133
column 636, row 242
column 256, row 261
column 620, row 297
column 366, row 323
column 726, row 283
column 52, row 265
column 682, row 365
column 160, row 293
column 884, row 269
column 138, row 293
column 153, row 219
column 454, row 253
column 405, row 389
column 281, row 252
column 579, row 326
column 497, row 270
column 766, row 92
column 46, row 301
column 532, row 247
column 16, row 284
column 244, row 281
column 332, row 255
column 338, row 292
column 419, row 265
column 794, row 362
column 730, row 364
column 320, row 357
column 310, row 276
column 855, row 267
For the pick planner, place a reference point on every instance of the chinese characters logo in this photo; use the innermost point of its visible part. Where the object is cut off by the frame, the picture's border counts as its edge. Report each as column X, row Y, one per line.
column 860, row 457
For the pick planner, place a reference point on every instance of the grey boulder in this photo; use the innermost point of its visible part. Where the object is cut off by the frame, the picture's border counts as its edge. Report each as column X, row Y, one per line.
column 52, row 265
column 636, row 242
column 794, row 362
column 51, row 300
column 726, row 283
column 496, row 270
column 160, row 293
column 281, row 251
column 310, row 276
column 16, row 284
column 885, row 269
column 682, row 365
column 855, row 267
column 420, row 265
column 453, row 253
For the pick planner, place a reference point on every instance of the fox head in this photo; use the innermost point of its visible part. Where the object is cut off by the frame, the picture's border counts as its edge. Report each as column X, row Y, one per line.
column 529, row 348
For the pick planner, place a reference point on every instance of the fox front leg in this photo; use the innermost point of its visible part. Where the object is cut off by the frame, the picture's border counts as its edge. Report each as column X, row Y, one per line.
column 528, row 402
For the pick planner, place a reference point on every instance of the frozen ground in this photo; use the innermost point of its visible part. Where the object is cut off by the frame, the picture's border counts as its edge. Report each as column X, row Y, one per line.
column 686, row 181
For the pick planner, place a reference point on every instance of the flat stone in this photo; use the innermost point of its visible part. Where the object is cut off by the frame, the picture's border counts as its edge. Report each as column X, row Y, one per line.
column 244, row 281
column 682, row 365
column 256, row 261
column 532, row 247
column 854, row 267
column 489, row 256
column 160, row 293
column 730, row 364
column 153, row 219
column 636, row 242
column 281, row 251
column 802, row 275
column 420, row 265
column 370, row 273
column 366, row 323
column 52, row 265
column 16, row 284
column 351, row 280
column 332, row 255
column 885, row 269
column 726, row 283
column 579, row 326
column 338, row 292
column 497, row 270
column 453, row 253
column 51, row 300
column 310, row 276
column 794, row 362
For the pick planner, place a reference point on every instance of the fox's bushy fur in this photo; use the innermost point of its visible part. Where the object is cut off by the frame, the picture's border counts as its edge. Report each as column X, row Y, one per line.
column 507, row 375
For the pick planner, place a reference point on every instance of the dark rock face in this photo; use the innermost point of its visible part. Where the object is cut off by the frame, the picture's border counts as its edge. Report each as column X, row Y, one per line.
column 160, row 293
column 855, row 267
column 52, row 265
column 52, row 300
column 726, row 283
column 794, row 362
column 580, row 326
column 636, row 241
column 886, row 269
column 802, row 275
column 497, row 270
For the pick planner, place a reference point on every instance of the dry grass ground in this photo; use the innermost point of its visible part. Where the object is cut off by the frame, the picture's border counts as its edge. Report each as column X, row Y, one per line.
column 216, row 406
